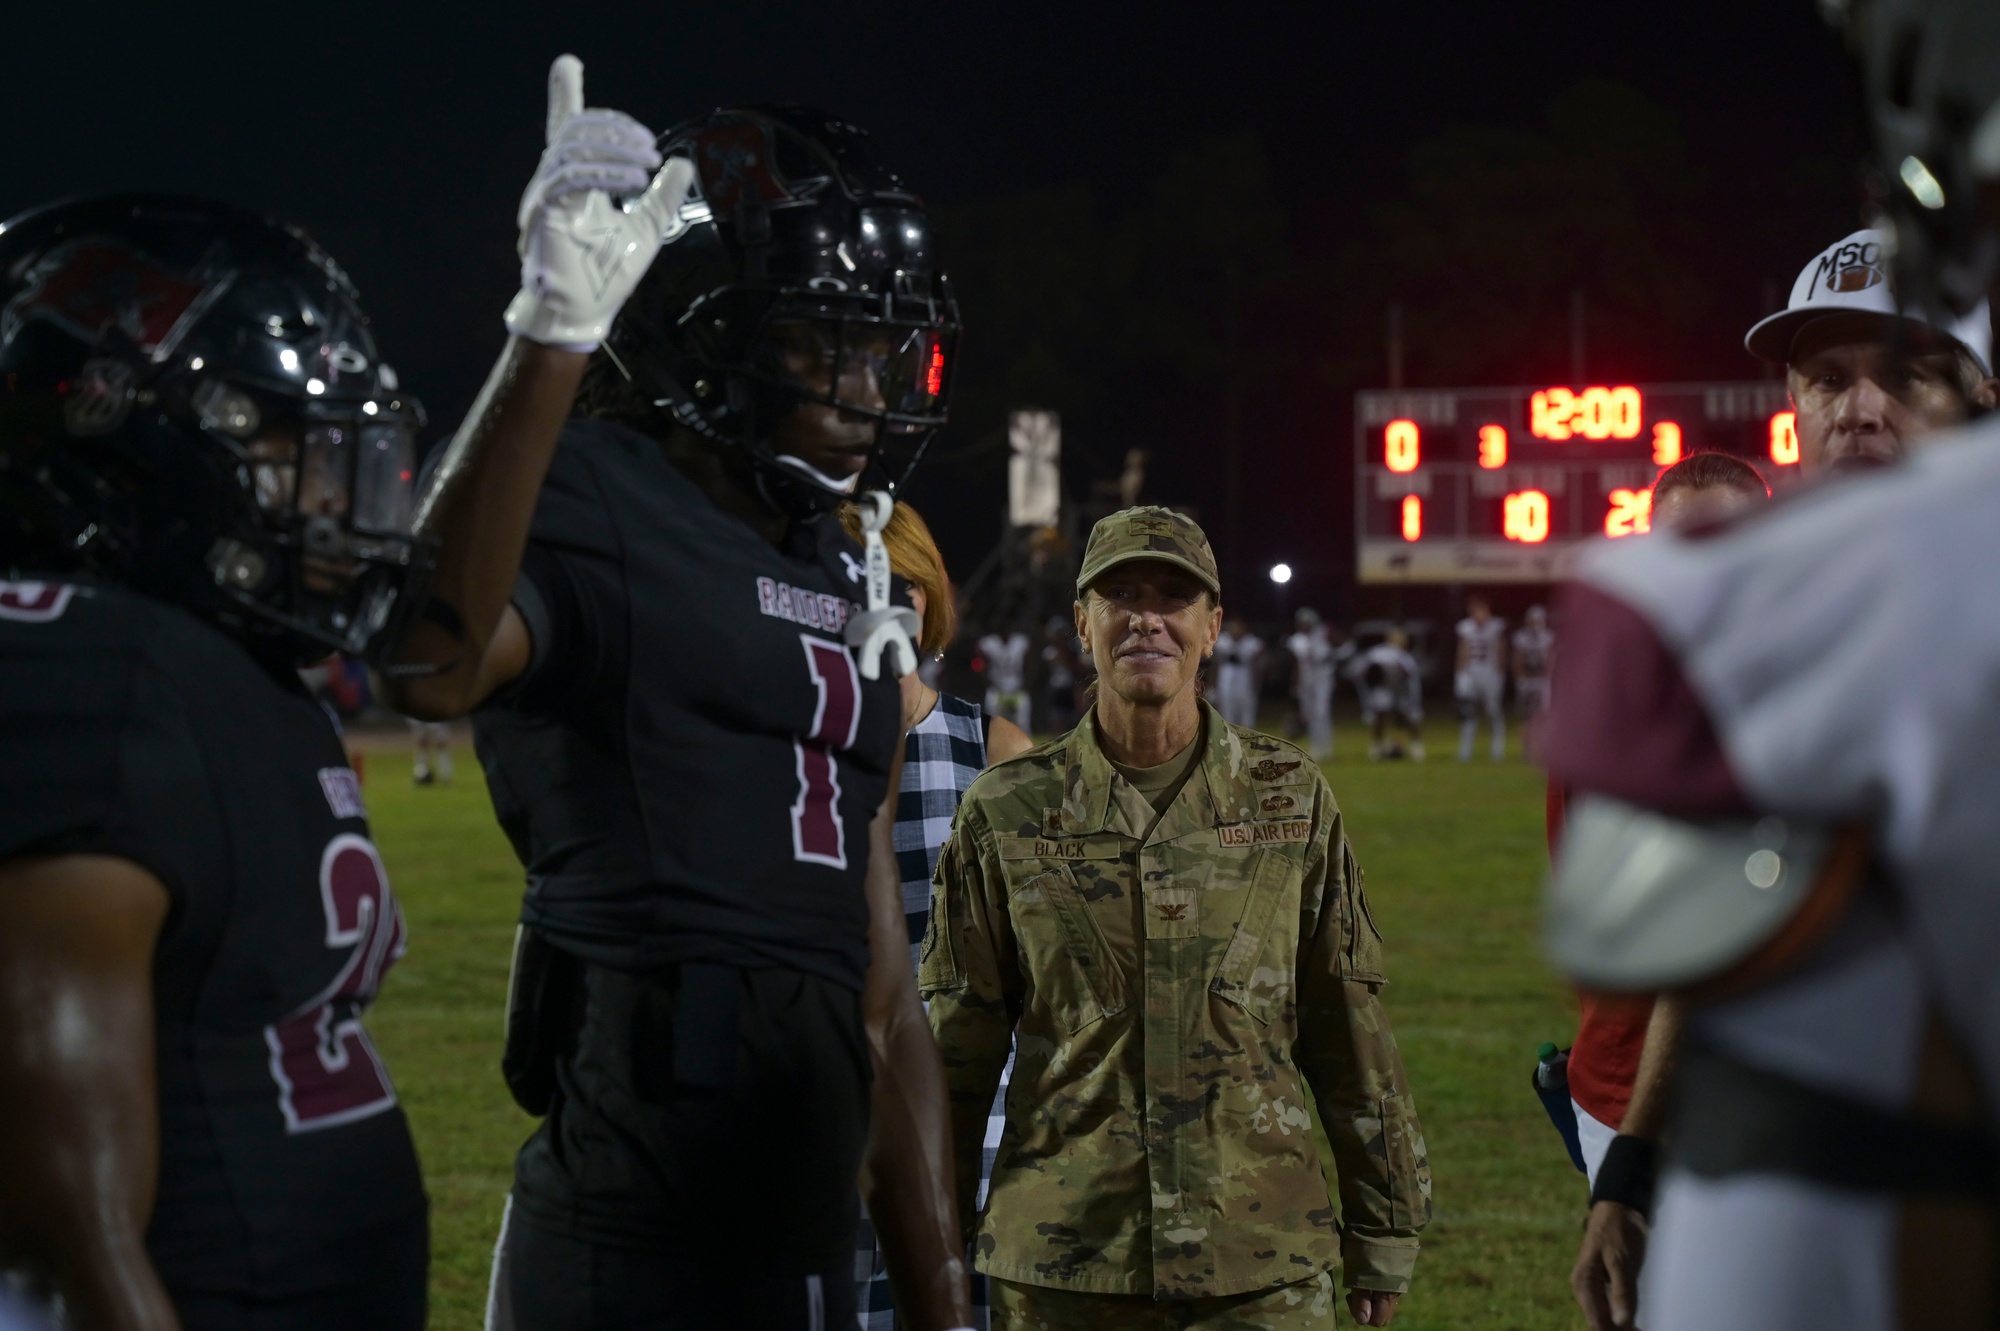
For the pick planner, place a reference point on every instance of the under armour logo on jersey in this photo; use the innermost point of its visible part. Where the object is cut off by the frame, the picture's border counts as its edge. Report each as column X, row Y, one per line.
column 855, row 568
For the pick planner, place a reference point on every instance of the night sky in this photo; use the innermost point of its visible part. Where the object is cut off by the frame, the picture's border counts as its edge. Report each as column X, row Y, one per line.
column 401, row 136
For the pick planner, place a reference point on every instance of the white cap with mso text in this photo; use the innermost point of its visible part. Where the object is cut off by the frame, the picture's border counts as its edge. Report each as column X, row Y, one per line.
column 1852, row 277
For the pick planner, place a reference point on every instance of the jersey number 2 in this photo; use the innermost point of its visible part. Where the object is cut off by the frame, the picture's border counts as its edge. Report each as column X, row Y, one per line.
column 818, row 836
column 327, row 1071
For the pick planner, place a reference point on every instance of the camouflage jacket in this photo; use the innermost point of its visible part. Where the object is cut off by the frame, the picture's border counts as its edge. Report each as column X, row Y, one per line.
column 1169, row 1002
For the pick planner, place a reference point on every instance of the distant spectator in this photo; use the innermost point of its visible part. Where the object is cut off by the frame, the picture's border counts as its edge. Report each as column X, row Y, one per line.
column 1480, row 676
column 1239, row 664
column 1312, row 647
column 1534, row 654
column 1392, row 689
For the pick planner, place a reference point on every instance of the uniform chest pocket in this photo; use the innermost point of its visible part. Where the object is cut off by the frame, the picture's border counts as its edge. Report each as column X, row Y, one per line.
column 1063, row 951
column 1257, row 968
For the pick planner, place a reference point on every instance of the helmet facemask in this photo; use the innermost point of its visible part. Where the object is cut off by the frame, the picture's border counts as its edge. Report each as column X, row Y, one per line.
column 803, row 286
column 323, row 544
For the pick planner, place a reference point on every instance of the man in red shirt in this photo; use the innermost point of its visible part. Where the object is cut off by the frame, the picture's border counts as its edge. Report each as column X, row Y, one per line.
column 1624, row 1050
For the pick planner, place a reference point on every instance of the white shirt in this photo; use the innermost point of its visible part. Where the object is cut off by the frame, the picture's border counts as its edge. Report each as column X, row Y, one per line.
column 1532, row 650
column 1234, row 654
column 1482, row 641
column 1006, row 660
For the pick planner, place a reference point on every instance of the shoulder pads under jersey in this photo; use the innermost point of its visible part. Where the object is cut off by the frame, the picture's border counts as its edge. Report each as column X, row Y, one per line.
column 1640, row 902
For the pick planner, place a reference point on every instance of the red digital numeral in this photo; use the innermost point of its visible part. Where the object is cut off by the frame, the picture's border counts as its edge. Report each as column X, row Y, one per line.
column 1631, row 512
column 1595, row 413
column 1666, row 443
column 1413, row 518
column 1402, row 446
column 818, row 835
column 1785, row 438
column 327, row 1071
column 1524, row 517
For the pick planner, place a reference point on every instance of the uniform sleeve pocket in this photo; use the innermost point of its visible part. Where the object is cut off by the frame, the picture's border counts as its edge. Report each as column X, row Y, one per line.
column 1064, row 952
column 1252, row 974
column 1361, row 945
column 938, row 970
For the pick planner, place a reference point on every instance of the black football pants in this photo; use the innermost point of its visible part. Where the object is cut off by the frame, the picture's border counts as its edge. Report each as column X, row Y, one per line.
column 697, row 1167
column 387, row 1293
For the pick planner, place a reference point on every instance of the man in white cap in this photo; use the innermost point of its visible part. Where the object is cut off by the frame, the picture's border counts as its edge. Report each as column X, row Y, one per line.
column 1785, row 738
column 1869, row 381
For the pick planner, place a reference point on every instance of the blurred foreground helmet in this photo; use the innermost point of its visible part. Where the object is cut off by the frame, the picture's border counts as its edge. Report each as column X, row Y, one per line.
column 807, row 273
column 1931, row 75
column 191, row 403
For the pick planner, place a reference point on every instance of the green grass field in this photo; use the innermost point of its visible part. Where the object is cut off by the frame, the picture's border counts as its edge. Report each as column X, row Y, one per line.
column 1453, row 854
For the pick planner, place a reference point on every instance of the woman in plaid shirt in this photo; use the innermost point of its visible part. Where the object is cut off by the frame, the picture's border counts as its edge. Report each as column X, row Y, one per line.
column 950, row 741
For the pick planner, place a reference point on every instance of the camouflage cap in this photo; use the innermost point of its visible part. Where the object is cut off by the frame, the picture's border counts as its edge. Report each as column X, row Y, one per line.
column 1148, row 532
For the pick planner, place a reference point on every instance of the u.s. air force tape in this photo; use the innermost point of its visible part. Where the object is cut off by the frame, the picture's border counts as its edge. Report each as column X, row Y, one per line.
column 1273, row 832
column 1640, row 902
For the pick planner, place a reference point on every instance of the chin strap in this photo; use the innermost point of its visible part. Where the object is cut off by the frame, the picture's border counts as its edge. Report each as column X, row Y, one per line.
column 818, row 477
column 881, row 625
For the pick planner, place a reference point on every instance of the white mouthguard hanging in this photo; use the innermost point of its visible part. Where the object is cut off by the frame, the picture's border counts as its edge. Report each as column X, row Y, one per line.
column 881, row 625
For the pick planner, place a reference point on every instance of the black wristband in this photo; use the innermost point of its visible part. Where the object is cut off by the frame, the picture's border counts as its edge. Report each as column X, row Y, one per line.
column 1627, row 1174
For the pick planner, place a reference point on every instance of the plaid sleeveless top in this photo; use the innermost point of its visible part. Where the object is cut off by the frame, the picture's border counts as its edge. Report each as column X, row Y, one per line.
column 941, row 755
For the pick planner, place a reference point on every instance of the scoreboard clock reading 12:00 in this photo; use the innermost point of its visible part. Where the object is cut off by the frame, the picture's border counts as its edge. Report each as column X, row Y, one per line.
column 1508, row 484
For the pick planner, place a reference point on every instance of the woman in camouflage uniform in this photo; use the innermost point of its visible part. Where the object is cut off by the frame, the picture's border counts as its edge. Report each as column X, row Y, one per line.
column 1161, row 913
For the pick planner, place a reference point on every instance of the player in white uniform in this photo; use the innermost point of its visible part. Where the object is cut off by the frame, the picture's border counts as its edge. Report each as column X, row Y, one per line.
column 430, row 744
column 1534, row 654
column 1313, row 649
column 1239, row 660
column 1481, row 677
column 1791, row 736
column 1391, row 688
column 1007, row 677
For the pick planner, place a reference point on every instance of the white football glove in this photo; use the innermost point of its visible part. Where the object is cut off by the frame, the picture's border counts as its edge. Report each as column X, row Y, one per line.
column 582, row 254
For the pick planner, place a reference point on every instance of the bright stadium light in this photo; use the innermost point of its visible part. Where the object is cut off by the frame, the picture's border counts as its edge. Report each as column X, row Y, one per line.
column 1281, row 573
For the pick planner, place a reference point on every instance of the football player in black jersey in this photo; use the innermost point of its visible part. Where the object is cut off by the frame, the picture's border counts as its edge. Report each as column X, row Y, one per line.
column 698, row 772
column 206, row 479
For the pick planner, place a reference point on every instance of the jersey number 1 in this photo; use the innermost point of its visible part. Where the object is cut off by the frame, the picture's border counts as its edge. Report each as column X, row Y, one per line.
column 818, row 836
column 327, row 1071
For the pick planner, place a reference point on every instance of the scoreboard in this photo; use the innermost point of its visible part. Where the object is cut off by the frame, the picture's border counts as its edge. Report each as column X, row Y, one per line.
column 1509, row 484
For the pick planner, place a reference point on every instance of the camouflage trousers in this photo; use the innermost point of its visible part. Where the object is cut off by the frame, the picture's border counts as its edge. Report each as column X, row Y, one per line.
column 1305, row 1306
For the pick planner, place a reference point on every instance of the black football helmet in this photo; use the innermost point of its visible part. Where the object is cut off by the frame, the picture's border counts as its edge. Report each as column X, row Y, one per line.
column 804, row 268
column 192, row 404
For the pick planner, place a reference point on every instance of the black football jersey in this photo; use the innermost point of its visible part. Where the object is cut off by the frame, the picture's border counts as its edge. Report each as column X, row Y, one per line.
column 135, row 730
column 689, row 767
